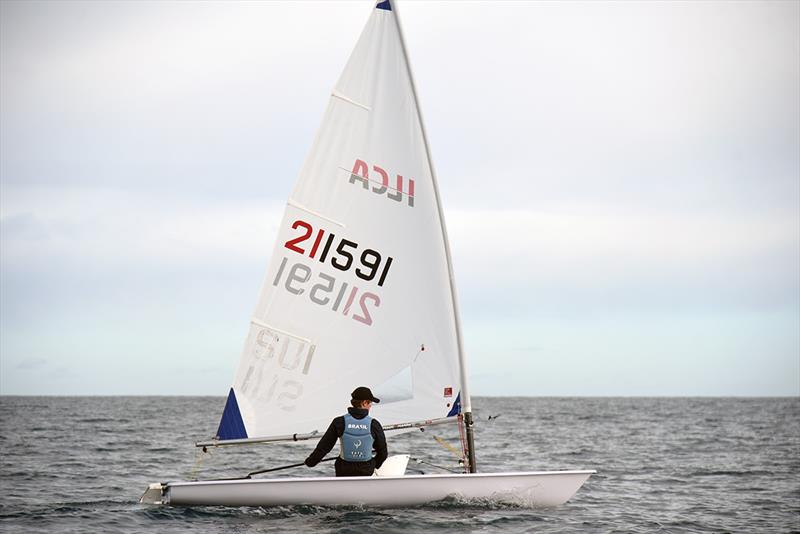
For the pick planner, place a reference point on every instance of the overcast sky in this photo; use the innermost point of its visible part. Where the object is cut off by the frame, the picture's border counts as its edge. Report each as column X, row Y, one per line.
column 621, row 183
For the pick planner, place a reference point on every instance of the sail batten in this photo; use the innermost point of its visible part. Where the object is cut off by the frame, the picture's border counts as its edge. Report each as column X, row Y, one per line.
column 299, row 206
column 350, row 100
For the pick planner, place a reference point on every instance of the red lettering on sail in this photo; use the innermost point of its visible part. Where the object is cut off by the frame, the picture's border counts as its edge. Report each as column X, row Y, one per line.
column 402, row 191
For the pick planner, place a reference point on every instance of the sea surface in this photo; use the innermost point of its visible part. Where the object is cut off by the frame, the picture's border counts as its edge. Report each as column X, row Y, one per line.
column 80, row 464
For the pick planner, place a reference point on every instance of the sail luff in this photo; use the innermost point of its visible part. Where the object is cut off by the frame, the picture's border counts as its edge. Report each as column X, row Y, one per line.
column 466, row 403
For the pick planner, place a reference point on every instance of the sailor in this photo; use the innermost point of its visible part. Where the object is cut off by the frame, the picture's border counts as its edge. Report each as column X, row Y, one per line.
column 358, row 435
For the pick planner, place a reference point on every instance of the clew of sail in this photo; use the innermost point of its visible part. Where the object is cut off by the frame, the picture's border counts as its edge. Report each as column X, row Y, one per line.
column 357, row 291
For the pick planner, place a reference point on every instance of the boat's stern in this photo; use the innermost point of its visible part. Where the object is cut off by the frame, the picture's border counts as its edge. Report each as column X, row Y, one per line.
column 155, row 494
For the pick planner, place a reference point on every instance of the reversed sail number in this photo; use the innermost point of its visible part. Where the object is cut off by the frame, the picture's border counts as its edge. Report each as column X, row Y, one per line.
column 326, row 293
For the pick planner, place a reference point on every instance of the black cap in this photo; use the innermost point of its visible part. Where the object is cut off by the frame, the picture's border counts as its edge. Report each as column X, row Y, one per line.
column 363, row 393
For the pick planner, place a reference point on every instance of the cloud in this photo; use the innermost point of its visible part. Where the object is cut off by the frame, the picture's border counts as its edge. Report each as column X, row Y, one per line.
column 571, row 244
column 581, row 259
column 31, row 364
column 113, row 229
column 614, row 243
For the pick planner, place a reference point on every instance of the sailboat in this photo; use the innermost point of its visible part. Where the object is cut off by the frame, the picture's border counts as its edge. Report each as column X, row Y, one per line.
column 360, row 290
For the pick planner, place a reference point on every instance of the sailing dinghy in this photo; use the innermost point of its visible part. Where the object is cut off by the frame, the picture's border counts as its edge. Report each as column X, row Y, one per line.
column 360, row 290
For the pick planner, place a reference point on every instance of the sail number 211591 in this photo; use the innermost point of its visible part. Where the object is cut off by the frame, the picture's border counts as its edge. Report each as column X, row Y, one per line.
column 342, row 256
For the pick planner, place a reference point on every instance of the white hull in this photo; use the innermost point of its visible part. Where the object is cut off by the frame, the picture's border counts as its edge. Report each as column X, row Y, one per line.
column 543, row 488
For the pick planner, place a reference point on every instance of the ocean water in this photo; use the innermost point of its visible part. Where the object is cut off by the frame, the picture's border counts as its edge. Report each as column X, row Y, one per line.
column 80, row 464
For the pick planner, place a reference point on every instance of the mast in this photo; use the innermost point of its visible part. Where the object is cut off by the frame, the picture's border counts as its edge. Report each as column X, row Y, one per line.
column 466, row 403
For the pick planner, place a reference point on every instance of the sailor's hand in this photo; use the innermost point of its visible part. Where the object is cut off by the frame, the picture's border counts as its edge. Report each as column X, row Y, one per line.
column 309, row 463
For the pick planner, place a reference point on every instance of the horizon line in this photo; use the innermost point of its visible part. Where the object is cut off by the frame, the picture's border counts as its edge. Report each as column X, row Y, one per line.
column 697, row 396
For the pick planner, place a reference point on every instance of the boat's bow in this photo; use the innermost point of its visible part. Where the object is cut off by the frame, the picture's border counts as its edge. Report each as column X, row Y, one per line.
column 154, row 494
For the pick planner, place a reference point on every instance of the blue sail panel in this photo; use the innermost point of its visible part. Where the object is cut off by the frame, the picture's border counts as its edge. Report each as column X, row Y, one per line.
column 231, row 425
column 456, row 408
column 384, row 5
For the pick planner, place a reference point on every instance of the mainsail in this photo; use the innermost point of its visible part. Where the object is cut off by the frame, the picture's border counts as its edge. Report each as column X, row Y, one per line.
column 359, row 288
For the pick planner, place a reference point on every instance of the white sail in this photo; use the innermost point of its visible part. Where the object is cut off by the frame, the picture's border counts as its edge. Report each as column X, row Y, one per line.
column 357, row 291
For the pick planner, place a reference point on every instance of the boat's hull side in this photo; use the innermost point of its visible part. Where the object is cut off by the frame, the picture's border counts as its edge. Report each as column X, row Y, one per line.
column 547, row 488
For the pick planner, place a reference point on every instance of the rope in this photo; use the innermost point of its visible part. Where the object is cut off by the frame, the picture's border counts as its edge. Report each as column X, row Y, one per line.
column 465, row 455
column 434, row 465
column 460, row 454
column 198, row 460
column 447, row 446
